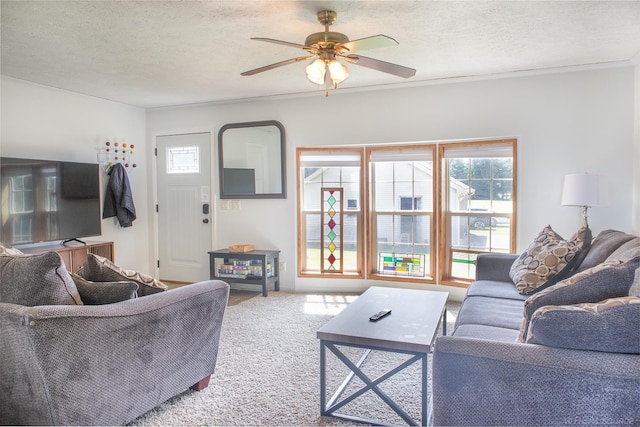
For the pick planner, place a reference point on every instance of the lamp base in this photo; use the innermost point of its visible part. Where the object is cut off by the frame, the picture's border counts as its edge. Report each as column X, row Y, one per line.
column 584, row 216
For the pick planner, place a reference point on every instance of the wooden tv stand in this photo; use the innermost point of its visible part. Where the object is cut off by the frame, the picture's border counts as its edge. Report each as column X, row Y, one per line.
column 75, row 254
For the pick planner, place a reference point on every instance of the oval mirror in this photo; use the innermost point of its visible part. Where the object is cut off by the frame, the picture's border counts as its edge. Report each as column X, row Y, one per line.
column 251, row 159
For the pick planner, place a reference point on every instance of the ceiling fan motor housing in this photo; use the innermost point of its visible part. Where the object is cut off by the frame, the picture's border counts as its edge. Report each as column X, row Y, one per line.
column 325, row 39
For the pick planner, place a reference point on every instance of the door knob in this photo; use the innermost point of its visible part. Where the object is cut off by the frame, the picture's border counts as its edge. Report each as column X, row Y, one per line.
column 205, row 221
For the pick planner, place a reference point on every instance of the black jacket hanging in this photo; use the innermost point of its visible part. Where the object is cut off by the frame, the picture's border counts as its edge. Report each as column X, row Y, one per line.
column 118, row 200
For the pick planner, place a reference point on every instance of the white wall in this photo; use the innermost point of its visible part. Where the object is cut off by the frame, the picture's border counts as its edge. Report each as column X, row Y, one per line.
column 567, row 122
column 47, row 123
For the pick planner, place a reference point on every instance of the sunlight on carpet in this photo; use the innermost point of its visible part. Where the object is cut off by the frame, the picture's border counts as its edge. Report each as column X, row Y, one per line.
column 327, row 304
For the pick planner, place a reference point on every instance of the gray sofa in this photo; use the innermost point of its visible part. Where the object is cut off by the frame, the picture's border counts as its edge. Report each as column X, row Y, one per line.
column 566, row 355
column 64, row 362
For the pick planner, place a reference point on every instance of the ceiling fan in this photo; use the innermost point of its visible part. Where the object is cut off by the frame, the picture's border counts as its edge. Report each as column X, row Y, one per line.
column 327, row 47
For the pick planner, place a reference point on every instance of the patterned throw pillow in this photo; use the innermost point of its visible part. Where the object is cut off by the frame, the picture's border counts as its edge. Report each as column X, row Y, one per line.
column 8, row 250
column 582, row 238
column 99, row 269
column 36, row 280
column 547, row 259
column 608, row 280
column 609, row 326
column 97, row 293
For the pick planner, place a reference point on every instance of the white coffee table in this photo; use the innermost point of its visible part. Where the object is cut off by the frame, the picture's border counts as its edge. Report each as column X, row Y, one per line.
column 410, row 329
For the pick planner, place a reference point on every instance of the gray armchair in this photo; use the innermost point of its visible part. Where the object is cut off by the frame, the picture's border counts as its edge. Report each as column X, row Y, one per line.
column 106, row 364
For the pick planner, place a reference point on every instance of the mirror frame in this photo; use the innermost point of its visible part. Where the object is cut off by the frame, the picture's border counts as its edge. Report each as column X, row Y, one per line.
column 283, row 176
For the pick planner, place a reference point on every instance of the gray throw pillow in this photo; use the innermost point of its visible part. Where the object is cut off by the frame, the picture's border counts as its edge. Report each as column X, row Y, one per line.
column 97, row 293
column 608, row 280
column 100, row 269
column 547, row 260
column 36, row 280
column 612, row 325
column 602, row 247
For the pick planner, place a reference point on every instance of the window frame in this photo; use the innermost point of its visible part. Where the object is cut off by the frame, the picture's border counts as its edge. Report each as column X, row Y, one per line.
column 302, row 216
column 372, row 215
column 445, row 276
column 441, row 248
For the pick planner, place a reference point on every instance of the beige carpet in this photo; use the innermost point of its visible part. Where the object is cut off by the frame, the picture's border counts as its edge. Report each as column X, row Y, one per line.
column 268, row 369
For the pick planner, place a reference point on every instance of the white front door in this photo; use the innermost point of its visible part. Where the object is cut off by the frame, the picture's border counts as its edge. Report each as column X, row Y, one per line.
column 184, row 206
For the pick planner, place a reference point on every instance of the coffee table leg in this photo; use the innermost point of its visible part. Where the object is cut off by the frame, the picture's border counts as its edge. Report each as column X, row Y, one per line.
column 444, row 321
column 426, row 407
column 330, row 408
column 323, row 378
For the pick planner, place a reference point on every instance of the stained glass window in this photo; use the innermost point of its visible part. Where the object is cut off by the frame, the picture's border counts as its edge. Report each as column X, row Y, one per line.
column 332, row 230
column 321, row 251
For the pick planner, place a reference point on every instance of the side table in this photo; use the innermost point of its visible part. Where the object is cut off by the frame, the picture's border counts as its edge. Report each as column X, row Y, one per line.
column 252, row 267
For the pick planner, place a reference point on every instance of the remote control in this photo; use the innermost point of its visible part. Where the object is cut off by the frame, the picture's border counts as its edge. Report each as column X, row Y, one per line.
column 379, row 315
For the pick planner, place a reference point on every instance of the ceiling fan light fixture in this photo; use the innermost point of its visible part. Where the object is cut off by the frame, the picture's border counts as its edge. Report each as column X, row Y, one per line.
column 337, row 71
column 327, row 46
column 316, row 71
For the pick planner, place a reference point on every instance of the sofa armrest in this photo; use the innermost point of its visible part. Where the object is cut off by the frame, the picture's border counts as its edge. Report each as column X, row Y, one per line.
column 107, row 364
column 478, row 382
column 494, row 266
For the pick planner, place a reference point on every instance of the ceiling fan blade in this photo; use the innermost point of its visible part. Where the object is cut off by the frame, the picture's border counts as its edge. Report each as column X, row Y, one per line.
column 373, row 42
column 276, row 65
column 385, row 67
column 263, row 39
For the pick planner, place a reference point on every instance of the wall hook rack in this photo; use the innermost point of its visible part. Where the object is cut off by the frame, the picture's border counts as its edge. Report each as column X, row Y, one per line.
column 116, row 152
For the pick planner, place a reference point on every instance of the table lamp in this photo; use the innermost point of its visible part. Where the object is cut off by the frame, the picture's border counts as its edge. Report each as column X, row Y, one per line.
column 585, row 190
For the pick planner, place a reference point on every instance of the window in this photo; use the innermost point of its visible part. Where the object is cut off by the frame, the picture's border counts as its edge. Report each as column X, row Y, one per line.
column 330, row 212
column 22, row 205
column 426, row 210
column 183, row 160
column 478, row 193
column 21, row 202
column 401, row 217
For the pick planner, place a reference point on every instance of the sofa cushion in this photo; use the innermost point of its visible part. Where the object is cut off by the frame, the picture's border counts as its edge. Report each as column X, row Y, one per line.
column 547, row 259
column 607, row 280
column 36, row 280
column 502, row 313
column 485, row 332
column 97, row 293
column 99, row 269
column 602, row 247
column 495, row 289
column 634, row 290
column 608, row 326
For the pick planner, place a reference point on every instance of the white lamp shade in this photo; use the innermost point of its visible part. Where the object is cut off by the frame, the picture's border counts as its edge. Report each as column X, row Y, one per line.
column 316, row 71
column 584, row 189
column 337, row 71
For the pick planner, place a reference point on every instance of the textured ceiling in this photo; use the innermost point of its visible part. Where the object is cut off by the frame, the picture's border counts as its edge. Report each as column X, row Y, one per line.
column 162, row 53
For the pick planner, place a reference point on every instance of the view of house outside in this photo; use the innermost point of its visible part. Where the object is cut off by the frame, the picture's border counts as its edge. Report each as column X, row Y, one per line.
column 403, row 210
column 480, row 209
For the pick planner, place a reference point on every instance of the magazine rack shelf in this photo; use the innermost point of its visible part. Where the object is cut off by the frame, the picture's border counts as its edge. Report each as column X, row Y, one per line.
column 258, row 267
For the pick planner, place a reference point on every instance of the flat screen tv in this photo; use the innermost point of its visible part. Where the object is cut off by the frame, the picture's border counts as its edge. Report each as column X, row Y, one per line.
column 236, row 181
column 47, row 200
